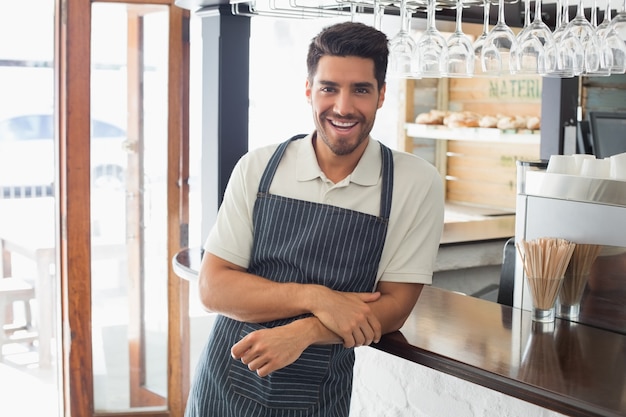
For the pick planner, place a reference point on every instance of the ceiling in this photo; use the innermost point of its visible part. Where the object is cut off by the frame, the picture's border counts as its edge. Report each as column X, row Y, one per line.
column 514, row 9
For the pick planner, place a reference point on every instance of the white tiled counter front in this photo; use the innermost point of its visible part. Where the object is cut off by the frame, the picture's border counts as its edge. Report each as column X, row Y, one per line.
column 388, row 386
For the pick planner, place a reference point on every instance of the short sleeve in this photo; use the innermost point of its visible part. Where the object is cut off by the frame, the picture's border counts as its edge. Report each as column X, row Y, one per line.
column 231, row 236
column 416, row 223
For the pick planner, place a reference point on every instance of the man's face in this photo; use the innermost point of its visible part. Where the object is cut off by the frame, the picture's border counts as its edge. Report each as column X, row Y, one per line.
column 344, row 98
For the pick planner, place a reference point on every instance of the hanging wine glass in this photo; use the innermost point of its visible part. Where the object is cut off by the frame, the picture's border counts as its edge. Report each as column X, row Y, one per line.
column 562, row 19
column 566, row 52
column 432, row 48
column 531, row 50
column 527, row 20
column 581, row 29
column 496, row 53
column 402, row 46
column 613, row 47
column 460, row 50
column 618, row 23
column 606, row 57
column 379, row 12
column 521, row 35
column 480, row 41
column 352, row 11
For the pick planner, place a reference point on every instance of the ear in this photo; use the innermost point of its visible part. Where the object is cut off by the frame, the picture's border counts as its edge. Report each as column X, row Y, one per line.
column 381, row 95
column 308, row 88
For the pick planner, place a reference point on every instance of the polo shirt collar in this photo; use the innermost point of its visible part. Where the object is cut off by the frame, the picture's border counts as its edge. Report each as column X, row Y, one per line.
column 366, row 173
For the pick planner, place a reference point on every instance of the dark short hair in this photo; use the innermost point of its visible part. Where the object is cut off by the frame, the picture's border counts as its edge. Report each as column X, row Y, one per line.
column 350, row 39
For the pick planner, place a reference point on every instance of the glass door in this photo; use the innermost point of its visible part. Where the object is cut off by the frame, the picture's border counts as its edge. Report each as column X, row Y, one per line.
column 122, row 100
column 93, row 203
column 130, row 263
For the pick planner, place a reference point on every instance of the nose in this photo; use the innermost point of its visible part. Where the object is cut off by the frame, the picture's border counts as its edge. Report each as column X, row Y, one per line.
column 343, row 104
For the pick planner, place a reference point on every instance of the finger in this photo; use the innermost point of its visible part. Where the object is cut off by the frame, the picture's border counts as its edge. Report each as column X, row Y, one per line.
column 368, row 334
column 369, row 297
column 360, row 337
column 363, row 334
column 265, row 370
column 247, row 358
column 348, row 341
column 239, row 349
column 377, row 328
column 257, row 363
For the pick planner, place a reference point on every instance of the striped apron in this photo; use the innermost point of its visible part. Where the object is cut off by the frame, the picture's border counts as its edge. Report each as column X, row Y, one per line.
column 304, row 242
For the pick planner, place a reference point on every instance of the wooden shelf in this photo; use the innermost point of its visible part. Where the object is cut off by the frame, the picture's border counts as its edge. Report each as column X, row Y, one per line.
column 472, row 134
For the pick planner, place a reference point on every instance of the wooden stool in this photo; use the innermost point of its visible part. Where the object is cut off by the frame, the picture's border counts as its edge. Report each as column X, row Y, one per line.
column 15, row 290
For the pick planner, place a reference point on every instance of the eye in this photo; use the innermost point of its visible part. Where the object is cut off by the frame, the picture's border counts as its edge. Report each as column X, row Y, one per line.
column 327, row 89
column 362, row 90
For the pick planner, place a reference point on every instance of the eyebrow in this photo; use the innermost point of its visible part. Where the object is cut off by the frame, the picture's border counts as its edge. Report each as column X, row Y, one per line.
column 363, row 84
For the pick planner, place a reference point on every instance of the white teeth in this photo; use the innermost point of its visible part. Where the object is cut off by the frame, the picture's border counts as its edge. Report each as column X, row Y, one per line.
column 343, row 124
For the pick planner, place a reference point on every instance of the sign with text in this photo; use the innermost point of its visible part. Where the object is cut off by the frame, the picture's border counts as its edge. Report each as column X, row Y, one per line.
column 515, row 88
column 508, row 96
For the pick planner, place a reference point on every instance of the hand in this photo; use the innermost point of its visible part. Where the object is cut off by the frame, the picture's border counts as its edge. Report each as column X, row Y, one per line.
column 269, row 350
column 349, row 316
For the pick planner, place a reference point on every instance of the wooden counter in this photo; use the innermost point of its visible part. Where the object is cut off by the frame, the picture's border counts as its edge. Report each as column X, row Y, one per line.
column 570, row 368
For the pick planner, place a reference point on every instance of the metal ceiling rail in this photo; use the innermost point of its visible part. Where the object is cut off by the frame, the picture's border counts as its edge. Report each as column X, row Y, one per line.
column 288, row 9
column 308, row 9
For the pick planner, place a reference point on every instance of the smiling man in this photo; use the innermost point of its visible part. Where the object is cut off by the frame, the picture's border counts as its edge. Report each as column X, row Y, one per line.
column 322, row 244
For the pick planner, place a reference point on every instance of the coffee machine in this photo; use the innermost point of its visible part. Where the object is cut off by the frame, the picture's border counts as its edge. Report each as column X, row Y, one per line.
column 583, row 210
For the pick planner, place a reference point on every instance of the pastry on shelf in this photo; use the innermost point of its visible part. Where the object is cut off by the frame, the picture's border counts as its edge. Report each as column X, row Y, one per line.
column 433, row 117
column 462, row 119
column 488, row 121
column 512, row 122
column 533, row 123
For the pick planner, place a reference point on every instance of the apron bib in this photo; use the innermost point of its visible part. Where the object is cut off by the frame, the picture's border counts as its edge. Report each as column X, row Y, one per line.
column 303, row 242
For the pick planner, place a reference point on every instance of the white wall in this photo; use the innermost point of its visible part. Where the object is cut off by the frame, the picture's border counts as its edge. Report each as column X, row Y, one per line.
column 278, row 106
column 388, row 386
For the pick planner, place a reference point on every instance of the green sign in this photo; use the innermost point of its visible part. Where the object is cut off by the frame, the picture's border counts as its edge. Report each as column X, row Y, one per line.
column 518, row 88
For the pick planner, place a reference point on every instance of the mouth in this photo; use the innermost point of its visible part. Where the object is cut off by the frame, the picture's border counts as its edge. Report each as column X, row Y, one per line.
column 343, row 125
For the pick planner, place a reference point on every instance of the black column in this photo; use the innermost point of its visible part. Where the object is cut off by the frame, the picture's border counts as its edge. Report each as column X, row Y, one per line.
column 559, row 103
column 225, row 96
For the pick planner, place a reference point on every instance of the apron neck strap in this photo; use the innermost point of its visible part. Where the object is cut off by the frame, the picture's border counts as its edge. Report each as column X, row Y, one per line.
column 387, row 174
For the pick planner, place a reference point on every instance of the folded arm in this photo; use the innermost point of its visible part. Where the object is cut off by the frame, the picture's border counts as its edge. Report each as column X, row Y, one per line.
column 268, row 350
column 356, row 318
column 228, row 289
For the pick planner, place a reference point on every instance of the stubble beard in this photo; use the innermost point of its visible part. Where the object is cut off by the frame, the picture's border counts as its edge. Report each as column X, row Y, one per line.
column 341, row 145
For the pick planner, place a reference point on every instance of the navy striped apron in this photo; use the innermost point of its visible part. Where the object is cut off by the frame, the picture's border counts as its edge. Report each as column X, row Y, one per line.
column 304, row 242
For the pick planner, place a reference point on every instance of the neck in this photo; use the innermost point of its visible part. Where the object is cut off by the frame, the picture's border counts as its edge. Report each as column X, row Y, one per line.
column 336, row 167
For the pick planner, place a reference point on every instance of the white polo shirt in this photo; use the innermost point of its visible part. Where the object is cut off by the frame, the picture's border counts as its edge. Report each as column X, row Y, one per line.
column 417, row 208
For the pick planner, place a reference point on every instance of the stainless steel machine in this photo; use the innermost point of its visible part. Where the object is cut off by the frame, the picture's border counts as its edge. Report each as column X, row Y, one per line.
column 582, row 210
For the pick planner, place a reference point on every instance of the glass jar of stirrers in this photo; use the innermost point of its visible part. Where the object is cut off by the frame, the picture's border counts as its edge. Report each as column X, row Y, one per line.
column 545, row 261
column 575, row 280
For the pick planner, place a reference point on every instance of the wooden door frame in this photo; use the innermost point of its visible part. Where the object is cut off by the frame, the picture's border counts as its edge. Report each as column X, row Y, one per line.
column 72, row 91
